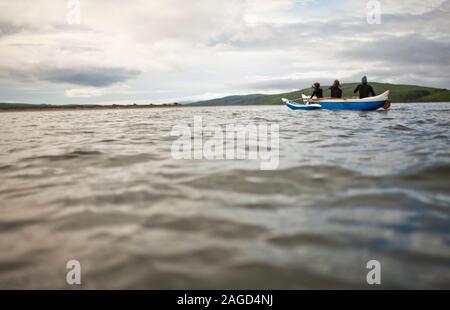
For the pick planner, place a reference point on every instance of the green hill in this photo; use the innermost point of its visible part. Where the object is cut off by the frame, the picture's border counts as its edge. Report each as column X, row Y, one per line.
column 443, row 95
column 399, row 93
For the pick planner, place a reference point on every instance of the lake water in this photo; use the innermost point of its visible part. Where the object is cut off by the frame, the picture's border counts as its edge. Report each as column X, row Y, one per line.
column 102, row 187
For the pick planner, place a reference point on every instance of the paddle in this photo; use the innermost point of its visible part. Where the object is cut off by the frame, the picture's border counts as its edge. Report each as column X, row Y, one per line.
column 309, row 99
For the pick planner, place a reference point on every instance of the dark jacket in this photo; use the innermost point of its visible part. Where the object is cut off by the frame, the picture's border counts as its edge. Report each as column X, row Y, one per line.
column 365, row 90
column 336, row 92
column 318, row 92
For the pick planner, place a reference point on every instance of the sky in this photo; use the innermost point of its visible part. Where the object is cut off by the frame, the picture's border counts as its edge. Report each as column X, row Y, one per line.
column 154, row 51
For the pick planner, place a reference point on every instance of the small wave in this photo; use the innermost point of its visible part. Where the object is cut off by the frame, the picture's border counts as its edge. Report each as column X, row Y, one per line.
column 108, row 141
column 436, row 172
column 261, row 119
column 128, row 160
column 6, row 167
column 444, row 137
column 14, row 225
column 65, row 156
column 401, row 128
column 205, row 225
column 302, row 239
column 144, row 198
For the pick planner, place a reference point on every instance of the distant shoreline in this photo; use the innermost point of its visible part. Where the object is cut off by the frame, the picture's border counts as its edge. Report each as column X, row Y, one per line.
column 112, row 108
column 84, row 108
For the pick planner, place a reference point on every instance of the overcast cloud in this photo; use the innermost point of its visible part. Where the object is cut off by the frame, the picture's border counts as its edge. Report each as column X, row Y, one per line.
column 160, row 51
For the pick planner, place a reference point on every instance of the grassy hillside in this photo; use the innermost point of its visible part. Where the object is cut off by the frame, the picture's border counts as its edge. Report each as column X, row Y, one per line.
column 443, row 95
column 399, row 93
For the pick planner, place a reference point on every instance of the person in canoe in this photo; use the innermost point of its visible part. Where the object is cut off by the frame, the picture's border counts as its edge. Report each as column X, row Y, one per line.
column 364, row 89
column 317, row 91
column 336, row 91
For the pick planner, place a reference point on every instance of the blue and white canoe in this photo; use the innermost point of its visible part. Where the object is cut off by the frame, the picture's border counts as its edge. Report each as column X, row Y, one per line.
column 366, row 104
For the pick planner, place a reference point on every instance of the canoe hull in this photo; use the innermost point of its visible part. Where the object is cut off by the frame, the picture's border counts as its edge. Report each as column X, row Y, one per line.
column 353, row 106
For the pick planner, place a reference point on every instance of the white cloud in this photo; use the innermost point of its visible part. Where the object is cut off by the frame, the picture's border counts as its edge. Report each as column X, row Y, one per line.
column 87, row 92
column 90, row 92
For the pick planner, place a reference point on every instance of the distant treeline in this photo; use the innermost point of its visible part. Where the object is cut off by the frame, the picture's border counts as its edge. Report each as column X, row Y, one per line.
column 26, row 106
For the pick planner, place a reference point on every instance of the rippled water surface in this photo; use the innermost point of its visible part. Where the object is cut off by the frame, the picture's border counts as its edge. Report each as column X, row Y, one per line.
column 101, row 187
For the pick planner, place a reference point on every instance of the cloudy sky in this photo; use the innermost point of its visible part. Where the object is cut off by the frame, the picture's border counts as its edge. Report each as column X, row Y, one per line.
column 173, row 50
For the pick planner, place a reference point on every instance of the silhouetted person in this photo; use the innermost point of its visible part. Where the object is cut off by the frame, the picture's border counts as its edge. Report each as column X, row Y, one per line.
column 364, row 89
column 318, row 92
column 336, row 91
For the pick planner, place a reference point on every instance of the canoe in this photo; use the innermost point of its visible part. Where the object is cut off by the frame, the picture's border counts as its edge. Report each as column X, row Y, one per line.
column 366, row 104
